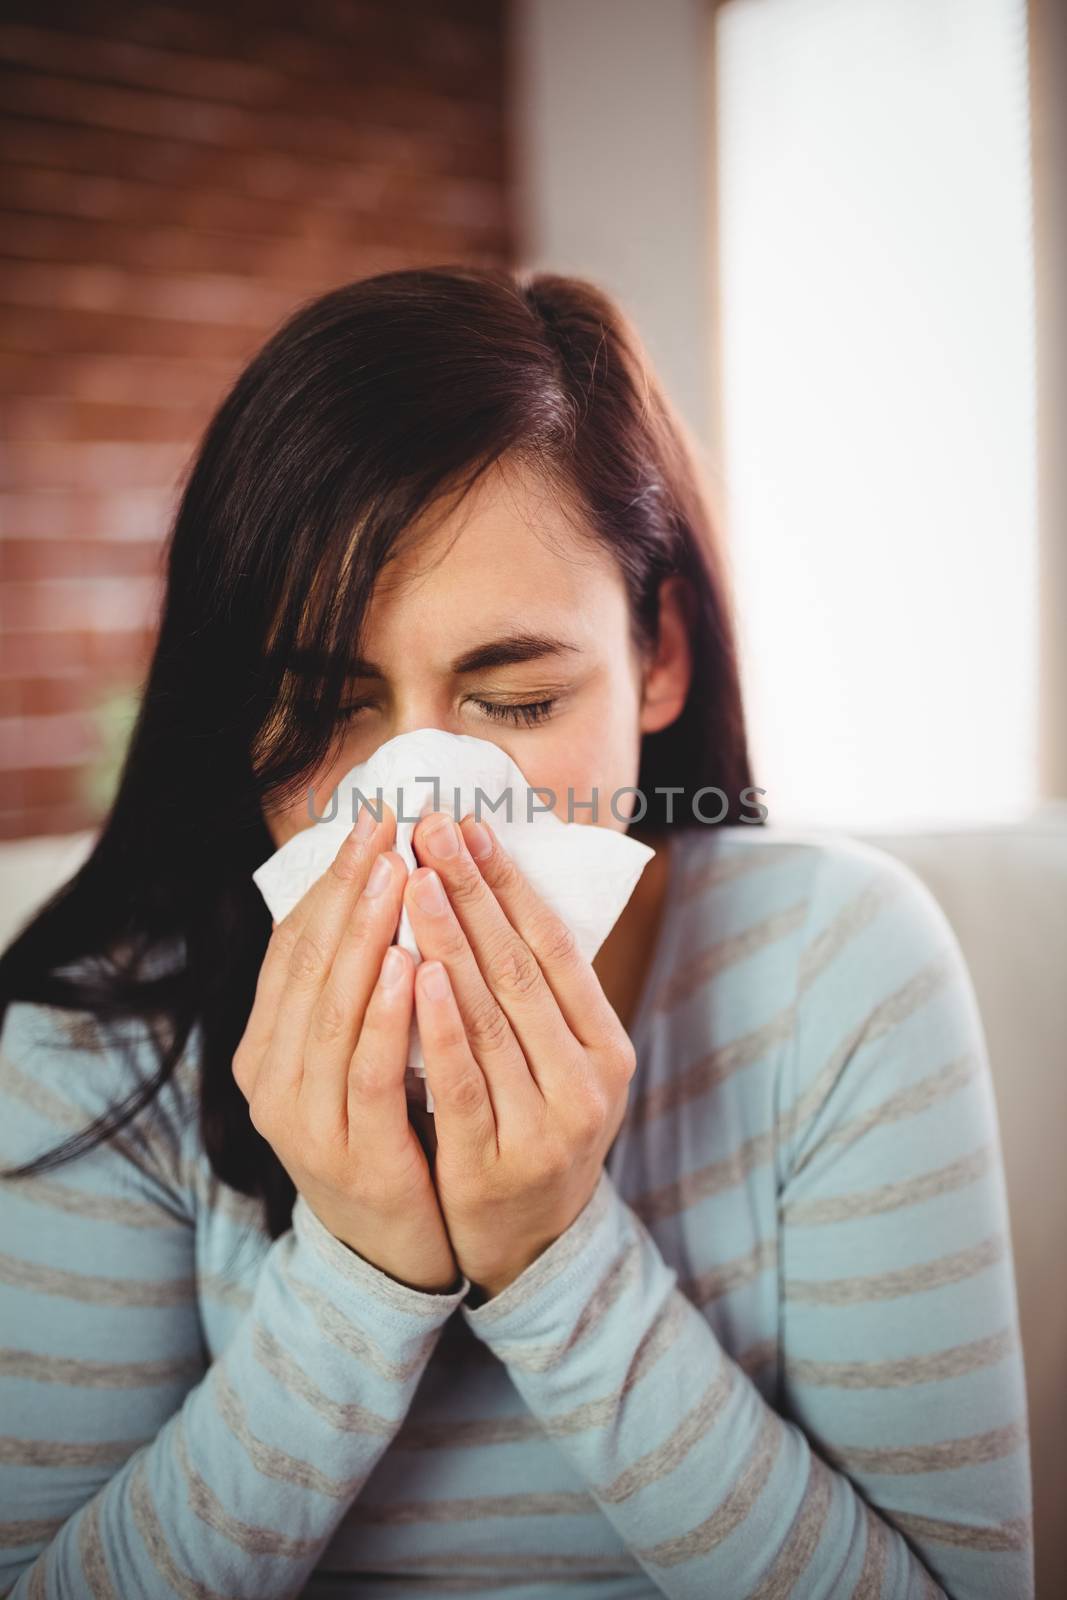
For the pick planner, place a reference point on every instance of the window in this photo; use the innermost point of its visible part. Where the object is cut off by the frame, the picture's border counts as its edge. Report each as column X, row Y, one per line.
column 878, row 402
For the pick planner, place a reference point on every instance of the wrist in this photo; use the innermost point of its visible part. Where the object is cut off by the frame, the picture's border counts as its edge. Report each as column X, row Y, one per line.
column 483, row 1289
column 577, row 1255
column 430, row 1284
column 488, row 1284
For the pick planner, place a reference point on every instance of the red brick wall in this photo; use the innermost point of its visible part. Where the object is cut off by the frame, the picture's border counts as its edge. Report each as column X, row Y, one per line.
column 175, row 179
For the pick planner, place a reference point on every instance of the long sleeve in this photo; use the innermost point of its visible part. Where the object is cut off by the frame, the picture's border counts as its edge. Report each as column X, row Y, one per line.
column 129, row 1463
column 896, row 1464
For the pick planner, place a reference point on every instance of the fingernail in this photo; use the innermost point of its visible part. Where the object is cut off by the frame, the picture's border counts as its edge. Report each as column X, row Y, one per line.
column 380, row 874
column 443, row 840
column 479, row 842
column 392, row 967
column 434, row 980
column 366, row 823
column 428, row 893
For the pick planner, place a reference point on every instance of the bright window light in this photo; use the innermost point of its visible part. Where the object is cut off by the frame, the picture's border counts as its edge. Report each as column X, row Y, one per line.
column 878, row 399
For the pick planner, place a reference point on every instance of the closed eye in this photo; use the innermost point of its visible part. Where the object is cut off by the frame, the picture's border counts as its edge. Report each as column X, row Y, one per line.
column 526, row 714
column 532, row 712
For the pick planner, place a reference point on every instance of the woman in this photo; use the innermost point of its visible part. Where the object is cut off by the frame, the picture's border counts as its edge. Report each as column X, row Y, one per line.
column 704, row 1285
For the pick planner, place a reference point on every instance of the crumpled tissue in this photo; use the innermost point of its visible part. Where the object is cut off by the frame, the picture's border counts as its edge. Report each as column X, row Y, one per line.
column 584, row 871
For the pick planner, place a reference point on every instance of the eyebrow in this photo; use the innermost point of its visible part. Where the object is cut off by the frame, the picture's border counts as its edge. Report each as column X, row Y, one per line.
column 507, row 651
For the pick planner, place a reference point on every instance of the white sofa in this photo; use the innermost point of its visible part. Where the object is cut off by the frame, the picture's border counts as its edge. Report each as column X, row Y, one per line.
column 1004, row 890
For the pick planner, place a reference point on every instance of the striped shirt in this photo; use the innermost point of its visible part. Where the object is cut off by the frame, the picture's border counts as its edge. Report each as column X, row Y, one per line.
column 777, row 1354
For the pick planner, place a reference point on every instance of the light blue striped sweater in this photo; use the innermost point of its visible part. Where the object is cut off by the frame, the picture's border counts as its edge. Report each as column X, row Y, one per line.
column 776, row 1355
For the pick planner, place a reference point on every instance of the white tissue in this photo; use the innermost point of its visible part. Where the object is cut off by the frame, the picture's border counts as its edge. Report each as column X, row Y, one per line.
column 585, row 872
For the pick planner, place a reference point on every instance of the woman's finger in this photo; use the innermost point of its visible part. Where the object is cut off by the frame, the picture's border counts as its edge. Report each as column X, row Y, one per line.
column 375, row 1098
column 295, row 973
column 273, row 976
column 577, row 989
column 508, row 965
column 274, row 968
column 337, row 1016
column 440, row 937
column 463, row 1111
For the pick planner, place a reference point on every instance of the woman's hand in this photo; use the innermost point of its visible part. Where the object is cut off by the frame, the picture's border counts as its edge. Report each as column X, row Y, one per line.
column 322, row 1059
column 527, row 1061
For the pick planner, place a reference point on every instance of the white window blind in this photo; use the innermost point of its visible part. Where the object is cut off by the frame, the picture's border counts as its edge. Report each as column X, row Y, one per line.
column 877, row 372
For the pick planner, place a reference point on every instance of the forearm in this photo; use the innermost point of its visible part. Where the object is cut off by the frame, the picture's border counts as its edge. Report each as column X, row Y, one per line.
column 242, row 1487
column 712, row 1490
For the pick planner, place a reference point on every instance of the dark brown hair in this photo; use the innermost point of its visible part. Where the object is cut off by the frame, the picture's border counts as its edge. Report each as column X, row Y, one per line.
column 361, row 411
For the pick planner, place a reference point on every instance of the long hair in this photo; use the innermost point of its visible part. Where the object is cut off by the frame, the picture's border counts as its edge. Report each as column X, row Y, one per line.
column 357, row 414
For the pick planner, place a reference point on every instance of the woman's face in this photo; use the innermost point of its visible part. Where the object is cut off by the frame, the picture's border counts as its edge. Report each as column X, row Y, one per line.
column 504, row 622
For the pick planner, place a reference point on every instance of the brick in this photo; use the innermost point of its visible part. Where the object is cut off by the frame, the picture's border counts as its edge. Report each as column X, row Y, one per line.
column 94, row 465
column 298, row 263
column 68, row 740
column 31, row 822
column 42, row 420
column 109, row 380
column 121, row 656
column 297, row 129
column 33, row 559
column 107, row 175
column 41, row 697
column 63, row 605
column 140, row 66
column 204, row 298
column 114, row 333
column 141, row 515
column 40, row 786
column 24, row 654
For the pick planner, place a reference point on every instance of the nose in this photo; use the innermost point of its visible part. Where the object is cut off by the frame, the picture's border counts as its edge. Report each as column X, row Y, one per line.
column 416, row 718
column 414, row 721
